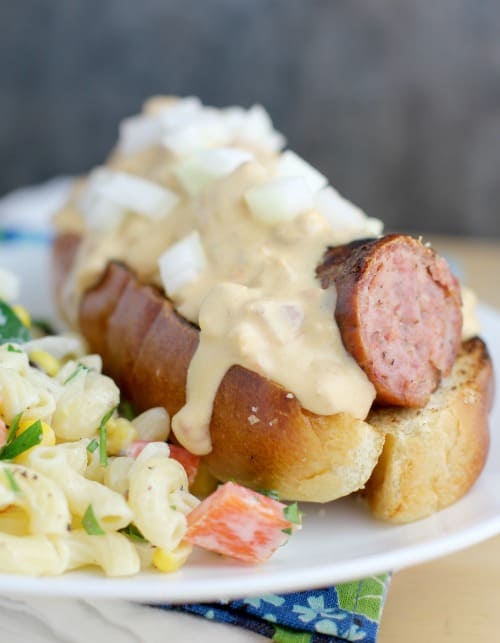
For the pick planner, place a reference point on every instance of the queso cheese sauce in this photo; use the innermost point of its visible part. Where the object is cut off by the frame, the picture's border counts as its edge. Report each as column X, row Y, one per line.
column 248, row 278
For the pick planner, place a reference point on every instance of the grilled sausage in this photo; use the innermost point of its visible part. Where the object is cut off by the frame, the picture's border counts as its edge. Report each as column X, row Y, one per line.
column 398, row 309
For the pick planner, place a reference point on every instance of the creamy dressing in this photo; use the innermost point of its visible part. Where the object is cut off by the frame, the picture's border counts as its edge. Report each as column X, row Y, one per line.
column 257, row 302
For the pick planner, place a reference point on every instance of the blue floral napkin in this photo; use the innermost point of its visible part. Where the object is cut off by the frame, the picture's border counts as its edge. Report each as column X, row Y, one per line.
column 344, row 612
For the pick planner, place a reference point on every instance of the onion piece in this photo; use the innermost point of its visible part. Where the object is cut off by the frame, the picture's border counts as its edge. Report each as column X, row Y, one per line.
column 134, row 193
column 291, row 164
column 206, row 166
column 279, row 200
column 182, row 263
column 100, row 213
column 253, row 127
column 344, row 216
column 10, row 285
column 138, row 132
column 180, row 113
column 142, row 131
column 203, row 129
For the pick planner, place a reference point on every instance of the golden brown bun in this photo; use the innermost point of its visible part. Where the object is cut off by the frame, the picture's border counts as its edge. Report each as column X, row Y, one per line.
column 261, row 437
column 264, row 439
column 432, row 456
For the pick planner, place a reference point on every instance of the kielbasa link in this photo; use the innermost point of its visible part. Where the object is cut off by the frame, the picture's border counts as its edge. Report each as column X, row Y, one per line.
column 398, row 309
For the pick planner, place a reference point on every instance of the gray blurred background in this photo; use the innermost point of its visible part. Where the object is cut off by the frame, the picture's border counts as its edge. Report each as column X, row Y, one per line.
column 396, row 101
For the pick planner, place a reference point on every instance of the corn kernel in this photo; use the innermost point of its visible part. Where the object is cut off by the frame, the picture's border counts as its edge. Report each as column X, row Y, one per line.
column 23, row 315
column 120, row 434
column 171, row 561
column 48, row 438
column 46, row 362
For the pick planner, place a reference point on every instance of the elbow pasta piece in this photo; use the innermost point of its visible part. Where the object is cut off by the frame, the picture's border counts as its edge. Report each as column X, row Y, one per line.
column 16, row 359
column 110, row 508
column 14, row 521
column 94, row 471
column 153, row 449
column 145, row 551
column 31, row 555
column 18, row 394
column 116, row 474
column 75, row 454
column 85, row 399
column 113, row 552
column 39, row 497
column 152, row 483
column 91, row 362
column 153, row 425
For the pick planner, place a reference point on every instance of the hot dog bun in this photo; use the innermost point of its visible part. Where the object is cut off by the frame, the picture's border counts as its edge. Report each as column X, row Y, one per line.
column 230, row 283
column 432, row 456
column 412, row 461
column 261, row 437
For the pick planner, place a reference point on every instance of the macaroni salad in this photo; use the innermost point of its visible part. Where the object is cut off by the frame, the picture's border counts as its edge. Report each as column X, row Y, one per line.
column 82, row 484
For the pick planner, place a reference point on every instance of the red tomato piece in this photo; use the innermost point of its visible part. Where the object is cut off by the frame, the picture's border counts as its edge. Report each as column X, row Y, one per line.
column 238, row 522
column 189, row 461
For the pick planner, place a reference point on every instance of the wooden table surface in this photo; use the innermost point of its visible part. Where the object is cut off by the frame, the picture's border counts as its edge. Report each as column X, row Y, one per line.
column 455, row 599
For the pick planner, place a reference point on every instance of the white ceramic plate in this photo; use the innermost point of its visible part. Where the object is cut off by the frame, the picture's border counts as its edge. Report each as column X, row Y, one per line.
column 338, row 542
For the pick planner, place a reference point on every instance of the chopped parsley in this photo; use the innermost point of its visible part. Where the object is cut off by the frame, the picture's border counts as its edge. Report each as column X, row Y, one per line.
column 91, row 524
column 126, row 410
column 12, row 328
column 292, row 513
column 287, row 531
column 13, row 428
column 103, row 436
column 79, row 369
column 133, row 533
column 13, row 349
column 12, row 481
column 45, row 326
column 21, row 443
column 92, row 445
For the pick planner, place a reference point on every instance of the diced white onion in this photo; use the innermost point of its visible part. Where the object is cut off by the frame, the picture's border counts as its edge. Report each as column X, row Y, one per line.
column 344, row 216
column 279, row 200
column 182, row 263
column 203, row 129
column 291, row 164
column 110, row 194
column 254, row 127
column 153, row 425
column 138, row 194
column 186, row 125
column 100, row 213
column 139, row 132
column 206, row 166
column 10, row 285
column 180, row 113
column 142, row 131
column 57, row 345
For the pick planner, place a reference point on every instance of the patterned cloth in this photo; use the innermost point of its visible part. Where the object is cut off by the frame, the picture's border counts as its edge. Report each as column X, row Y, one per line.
column 345, row 612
